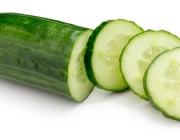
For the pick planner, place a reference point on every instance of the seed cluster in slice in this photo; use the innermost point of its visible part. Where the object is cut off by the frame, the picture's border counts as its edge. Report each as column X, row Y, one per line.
column 103, row 50
column 80, row 68
column 162, row 83
column 138, row 54
column 111, row 53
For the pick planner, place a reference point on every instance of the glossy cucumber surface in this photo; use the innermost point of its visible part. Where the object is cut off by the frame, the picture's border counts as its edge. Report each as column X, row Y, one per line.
column 44, row 53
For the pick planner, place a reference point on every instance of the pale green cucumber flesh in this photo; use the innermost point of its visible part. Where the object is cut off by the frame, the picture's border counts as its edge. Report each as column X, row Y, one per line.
column 162, row 83
column 78, row 82
column 138, row 54
column 104, row 48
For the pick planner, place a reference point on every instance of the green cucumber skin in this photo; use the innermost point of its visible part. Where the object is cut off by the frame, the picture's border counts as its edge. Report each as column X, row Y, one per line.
column 37, row 51
column 89, row 51
column 153, row 104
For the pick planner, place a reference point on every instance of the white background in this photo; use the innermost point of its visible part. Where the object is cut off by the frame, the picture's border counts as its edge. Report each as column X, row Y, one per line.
column 30, row 114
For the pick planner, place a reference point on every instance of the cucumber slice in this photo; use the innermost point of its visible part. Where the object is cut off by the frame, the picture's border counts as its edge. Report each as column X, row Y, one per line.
column 138, row 54
column 162, row 83
column 103, row 50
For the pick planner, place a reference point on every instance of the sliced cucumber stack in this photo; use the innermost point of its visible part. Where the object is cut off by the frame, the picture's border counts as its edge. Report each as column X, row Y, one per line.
column 103, row 50
column 162, row 83
column 138, row 54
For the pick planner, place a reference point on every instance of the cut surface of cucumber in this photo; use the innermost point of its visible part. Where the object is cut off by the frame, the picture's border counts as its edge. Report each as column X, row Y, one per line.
column 79, row 84
column 44, row 53
column 138, row 54
column 162, row 83
column 103, row 50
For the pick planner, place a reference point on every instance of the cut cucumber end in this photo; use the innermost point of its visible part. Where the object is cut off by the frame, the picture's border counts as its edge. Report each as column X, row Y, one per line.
column 162, row 82
column 79, row 84
column 138, row 54
column 107, row 42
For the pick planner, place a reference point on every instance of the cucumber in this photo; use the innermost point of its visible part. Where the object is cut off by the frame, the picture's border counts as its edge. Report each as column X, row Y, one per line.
column 162, row 83
column 138, row 54
column 44, row 53
column 103, row 50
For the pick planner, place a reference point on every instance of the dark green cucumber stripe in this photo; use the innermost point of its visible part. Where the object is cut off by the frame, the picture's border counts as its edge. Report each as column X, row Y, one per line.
column 21, row 59
column 37, row 50
column 89, row 52
column 50, row 87
column 32, row 75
